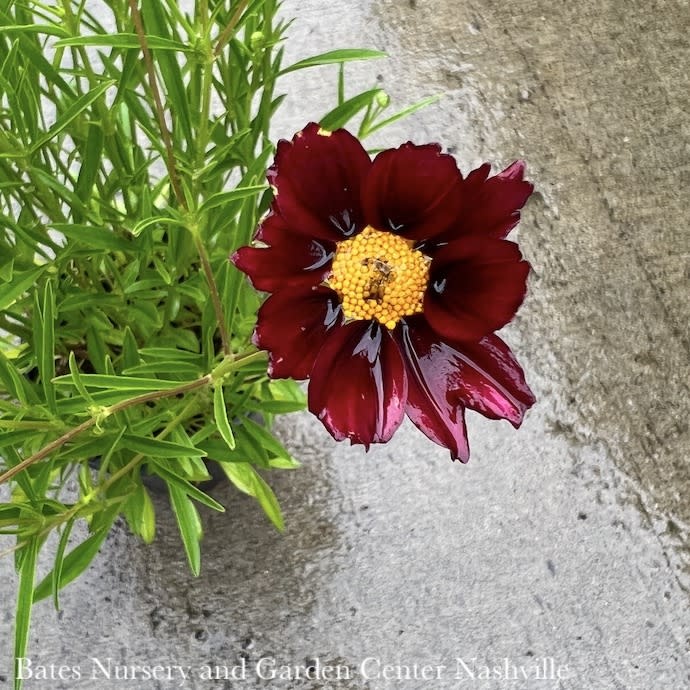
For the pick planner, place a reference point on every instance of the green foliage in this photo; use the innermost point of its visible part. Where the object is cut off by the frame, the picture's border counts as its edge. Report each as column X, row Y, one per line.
column 133, row 150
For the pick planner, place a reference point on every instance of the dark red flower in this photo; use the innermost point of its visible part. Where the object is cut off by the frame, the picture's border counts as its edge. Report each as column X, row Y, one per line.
column 388, row 280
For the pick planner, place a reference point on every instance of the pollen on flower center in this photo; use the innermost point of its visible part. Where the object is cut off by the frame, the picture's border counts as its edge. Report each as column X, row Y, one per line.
column 379, row 276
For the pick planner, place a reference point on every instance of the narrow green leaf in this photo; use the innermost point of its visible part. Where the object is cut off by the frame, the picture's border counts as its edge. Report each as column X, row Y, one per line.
column 131, row 383
column 268, row 501
column 20, row 284
column 74, row 564
column 342, row 114
column 220, row 413
column 61, row 190
column 275, row 406
column 151, row 285
column 191, row 490
column 194, row 469
column 264, row 437
column 30, row 49
column 222, row 198
column 90, row 161
column 48, row 29
column 153, row 447
column 284, row 463
column 6, row 270
column 11, row 455
column 25, row 600
column 77, row 404
column 399, row 116
column 95, row 237
column 286, row 389
column 167, row 353
column 141, row 514
column 47, row 354
column 155, row 220
column 189, row 525
column 59, row 562
column 107, row 456
column 9, row 512
column 12, row 381
column 124, row 40
column 72, row 113
column 218, row 449
column 130, row 353
column 162, row 367
column 96, row 348
column 241, row 474
column 76, row 377
column 341, row 83
column 250, row 482
column 336, row 57
column 231, row 288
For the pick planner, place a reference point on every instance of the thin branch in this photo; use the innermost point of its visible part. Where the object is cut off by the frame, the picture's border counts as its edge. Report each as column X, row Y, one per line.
column 113, row 409
column 215, row 297
column 160, row 114
column 228, row 365
column 230, row 28
column 47, row 450
column 170, row 163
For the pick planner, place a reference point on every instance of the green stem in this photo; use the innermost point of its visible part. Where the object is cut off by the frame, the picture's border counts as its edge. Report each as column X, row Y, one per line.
column 230, row 27
column 202, row 137
column 230, row 364
column 213, row 289
column 158, row 103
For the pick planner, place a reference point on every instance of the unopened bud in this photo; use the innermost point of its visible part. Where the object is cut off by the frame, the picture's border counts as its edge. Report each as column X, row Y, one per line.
column 383, row 99
column 256, row 40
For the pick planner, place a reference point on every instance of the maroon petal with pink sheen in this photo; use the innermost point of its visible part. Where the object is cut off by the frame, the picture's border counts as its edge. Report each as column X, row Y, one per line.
column 430, row 404
column 293, row 325
column 489, row 380
column 492, row 206
column 291, row 260
column 358, row 384
column 482, row 376
column 317, row 178
column 415, row 191
column 476, row 285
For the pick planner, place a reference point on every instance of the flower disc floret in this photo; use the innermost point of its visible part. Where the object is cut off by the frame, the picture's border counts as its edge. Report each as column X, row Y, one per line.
column 378, row 275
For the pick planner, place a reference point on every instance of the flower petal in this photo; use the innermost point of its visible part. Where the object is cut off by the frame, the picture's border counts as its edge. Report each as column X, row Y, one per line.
column 414, row 191
column 475, row 287
column 358, row 385
column 430, row 373
column 317, row 178
column 489, row 379
column 291, row 260
column 492, row 206
column 293, row 325
column 482, row 376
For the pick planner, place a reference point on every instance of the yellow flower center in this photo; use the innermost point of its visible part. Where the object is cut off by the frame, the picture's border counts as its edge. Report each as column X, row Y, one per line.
column 378, row 275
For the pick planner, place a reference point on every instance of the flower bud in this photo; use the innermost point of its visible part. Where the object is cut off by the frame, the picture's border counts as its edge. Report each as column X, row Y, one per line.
column 256, row 41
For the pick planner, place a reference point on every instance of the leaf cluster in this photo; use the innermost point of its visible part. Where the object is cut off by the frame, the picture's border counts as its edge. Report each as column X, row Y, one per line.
column 134, row 138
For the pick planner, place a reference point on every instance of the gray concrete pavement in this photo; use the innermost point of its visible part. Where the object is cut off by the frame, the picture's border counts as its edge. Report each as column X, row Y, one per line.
column 563, row 546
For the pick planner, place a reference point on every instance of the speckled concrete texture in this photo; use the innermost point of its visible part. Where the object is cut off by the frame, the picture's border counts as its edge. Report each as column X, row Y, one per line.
column 560, row 549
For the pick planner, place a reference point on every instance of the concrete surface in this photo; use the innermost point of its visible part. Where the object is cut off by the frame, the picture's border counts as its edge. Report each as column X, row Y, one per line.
column 561, row 547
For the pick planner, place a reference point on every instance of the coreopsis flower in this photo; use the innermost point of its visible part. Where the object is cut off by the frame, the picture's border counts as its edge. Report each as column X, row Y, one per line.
column 388, row 279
